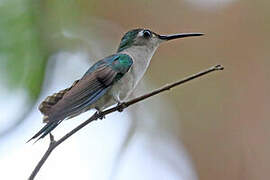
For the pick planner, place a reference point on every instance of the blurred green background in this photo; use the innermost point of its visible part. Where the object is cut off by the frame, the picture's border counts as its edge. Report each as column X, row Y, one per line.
column 222, row 119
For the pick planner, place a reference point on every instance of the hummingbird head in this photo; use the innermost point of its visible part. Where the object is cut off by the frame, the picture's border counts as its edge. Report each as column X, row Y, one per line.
column 148, row 39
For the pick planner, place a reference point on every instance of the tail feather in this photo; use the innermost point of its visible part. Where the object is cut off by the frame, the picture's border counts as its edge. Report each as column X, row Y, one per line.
column 45, row 130
column 45, row 108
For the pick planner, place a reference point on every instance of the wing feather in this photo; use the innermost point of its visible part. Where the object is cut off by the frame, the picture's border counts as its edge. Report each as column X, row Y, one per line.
column 50, row 101
column 93, row 85
column 83, row 93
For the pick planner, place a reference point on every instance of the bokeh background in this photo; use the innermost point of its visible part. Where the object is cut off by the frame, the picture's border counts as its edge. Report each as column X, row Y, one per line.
column 216, row 127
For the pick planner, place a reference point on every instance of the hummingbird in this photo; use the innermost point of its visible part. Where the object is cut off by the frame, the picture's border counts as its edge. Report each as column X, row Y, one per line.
column 109, row 81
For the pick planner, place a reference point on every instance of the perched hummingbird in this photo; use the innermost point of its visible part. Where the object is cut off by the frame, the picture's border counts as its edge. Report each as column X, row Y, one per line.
column 108, row 81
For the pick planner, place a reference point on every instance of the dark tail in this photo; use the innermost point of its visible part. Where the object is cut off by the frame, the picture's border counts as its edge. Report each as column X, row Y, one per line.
column 45, row 130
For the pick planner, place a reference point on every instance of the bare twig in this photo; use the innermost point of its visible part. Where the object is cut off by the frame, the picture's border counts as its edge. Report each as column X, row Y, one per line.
column 120, row 107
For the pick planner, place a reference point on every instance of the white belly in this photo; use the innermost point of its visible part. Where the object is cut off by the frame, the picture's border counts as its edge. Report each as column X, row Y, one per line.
column 124, row 87
column 141, row 57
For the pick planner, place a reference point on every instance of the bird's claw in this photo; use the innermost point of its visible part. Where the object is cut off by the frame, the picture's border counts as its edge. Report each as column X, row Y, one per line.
column 121, row 106
column 100, row 113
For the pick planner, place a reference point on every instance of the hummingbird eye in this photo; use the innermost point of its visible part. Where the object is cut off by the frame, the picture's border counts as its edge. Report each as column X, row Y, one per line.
column 147, row 34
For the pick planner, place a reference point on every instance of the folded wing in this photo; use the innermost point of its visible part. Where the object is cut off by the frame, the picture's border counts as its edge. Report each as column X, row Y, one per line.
column 85, row 92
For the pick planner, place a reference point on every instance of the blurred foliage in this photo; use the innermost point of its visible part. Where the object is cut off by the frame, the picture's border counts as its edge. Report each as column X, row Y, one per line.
column 22, row 57
column 30, row 32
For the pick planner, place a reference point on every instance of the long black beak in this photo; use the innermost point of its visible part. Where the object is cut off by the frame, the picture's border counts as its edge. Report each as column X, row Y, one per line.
column 176, row 36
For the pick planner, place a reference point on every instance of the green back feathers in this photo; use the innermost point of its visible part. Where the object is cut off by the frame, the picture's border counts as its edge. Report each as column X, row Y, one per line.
column 128, row 39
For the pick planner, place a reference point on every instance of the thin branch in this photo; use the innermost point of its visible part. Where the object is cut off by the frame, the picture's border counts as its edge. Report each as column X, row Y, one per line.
column 120, row 108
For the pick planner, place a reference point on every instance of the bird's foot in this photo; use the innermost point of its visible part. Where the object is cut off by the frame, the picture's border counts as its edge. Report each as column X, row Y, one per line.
column 121, row 106
column 100, row 114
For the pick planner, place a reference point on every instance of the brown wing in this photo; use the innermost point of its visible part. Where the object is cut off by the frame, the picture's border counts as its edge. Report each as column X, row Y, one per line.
column 50, row 101
column 83, row 93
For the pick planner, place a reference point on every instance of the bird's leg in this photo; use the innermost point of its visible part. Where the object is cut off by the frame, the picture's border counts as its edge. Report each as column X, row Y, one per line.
column 100, row 113
column 120, row 105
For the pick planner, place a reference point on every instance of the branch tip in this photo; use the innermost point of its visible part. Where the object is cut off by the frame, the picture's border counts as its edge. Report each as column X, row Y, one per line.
column 218, row 67
column 52, row 138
